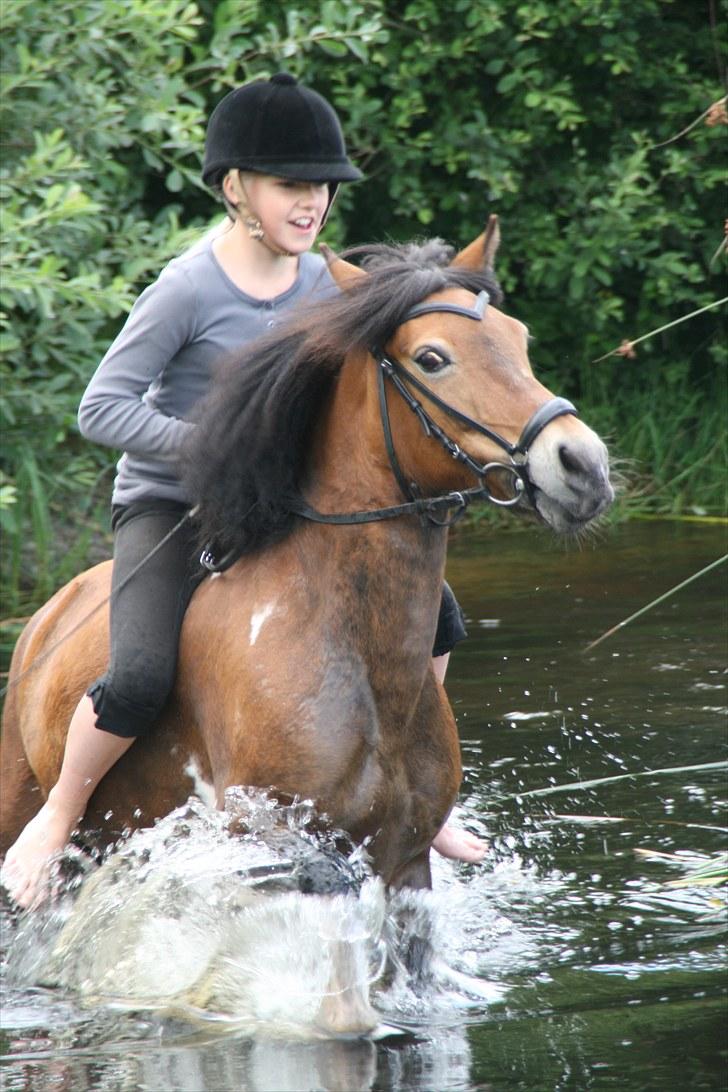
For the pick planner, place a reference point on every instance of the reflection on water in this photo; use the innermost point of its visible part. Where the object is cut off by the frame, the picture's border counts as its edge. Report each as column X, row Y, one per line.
column 566, row 961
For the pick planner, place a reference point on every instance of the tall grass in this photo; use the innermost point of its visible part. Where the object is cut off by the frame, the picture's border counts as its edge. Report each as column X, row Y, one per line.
column 56, row 526
column 673, row 451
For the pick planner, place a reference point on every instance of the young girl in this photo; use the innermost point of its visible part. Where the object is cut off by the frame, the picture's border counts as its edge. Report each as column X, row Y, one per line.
column 275, row 152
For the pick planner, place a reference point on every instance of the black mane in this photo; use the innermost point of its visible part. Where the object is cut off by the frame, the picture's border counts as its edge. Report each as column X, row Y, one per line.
column 248, row 455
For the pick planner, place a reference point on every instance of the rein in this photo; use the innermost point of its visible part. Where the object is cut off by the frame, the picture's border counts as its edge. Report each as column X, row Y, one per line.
column 430, row 508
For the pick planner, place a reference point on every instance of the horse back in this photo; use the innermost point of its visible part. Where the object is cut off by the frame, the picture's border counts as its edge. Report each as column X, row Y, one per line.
column 53, row 662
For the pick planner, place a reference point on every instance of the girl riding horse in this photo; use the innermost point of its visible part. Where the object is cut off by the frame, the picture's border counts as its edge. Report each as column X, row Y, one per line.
column 276, row 154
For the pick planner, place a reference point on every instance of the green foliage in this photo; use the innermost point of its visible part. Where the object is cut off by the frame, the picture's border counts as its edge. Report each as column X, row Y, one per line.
column 94, row 102
column 552, row 113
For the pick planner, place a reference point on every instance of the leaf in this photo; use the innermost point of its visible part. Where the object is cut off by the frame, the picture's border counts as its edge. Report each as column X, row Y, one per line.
column 174, row 181
column 332, row 47
column 355, row 46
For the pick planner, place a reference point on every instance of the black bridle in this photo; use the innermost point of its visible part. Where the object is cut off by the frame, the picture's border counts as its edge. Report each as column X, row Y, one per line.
column 447, row 508
column 436, row 509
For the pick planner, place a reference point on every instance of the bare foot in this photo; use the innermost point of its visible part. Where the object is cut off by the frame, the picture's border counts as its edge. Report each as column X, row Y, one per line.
column 459, row 845
column 25, row 873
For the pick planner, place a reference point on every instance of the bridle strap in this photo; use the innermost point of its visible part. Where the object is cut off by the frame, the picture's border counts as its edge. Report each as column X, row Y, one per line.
column 399, row 376
column 474, row 312
column 555, row 407
column 428, row 507
column 409, row 489
column 544, row 415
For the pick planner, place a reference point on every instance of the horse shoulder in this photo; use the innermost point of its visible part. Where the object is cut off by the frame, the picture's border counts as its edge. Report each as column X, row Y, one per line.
column 276, row 698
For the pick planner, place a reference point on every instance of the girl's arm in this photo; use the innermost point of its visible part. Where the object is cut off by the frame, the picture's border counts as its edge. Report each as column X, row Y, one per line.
column 112, row 412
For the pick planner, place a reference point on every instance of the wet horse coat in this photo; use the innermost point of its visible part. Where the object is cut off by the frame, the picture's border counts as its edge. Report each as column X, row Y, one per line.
column 306, row 666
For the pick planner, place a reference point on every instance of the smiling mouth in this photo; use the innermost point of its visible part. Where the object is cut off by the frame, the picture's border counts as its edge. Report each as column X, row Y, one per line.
column 304, row 223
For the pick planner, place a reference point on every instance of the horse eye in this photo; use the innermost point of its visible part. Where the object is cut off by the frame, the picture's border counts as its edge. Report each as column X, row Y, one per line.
column 432, row 360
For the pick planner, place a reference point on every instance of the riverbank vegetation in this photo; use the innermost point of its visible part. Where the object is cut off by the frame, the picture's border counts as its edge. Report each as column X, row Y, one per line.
column 595, row 129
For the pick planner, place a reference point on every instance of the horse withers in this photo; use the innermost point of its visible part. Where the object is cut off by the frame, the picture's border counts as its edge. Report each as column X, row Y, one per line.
column 330, row 461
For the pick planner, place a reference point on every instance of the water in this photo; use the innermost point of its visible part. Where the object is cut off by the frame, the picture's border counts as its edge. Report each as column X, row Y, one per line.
column 567, row 961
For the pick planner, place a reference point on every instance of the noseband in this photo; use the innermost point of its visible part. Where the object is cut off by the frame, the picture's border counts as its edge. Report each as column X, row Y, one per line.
column 446, row 509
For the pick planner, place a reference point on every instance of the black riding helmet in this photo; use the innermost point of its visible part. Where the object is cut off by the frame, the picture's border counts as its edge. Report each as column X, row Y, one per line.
column 277, row 127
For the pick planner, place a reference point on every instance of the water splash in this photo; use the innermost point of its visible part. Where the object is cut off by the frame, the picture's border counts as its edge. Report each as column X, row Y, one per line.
column 200, row 922
column 204, row 916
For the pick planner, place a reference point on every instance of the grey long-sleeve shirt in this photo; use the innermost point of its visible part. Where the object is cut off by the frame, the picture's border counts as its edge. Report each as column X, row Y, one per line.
column 142, row 394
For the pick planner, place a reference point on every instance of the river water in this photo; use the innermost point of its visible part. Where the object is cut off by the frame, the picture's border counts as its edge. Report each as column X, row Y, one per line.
column 569, row 959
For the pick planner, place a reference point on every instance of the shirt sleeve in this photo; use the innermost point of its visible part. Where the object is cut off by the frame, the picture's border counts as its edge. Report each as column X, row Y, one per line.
column 112, row 411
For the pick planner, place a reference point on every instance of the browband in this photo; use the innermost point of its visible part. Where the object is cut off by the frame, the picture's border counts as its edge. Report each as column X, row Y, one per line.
column 475, row 312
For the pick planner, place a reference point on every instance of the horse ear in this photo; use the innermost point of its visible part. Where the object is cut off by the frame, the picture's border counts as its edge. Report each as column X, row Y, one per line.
column 480, row 254
column 344, row 273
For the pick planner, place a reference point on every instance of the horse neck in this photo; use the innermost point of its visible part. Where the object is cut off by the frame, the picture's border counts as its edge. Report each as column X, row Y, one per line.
column 349, row 464
column 385, row 577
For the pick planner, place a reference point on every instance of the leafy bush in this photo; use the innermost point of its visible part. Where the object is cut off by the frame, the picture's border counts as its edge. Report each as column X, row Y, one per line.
column 556, row 115
column 94, row 100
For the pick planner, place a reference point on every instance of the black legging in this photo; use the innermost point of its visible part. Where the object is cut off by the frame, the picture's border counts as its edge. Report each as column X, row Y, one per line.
column 147, row 612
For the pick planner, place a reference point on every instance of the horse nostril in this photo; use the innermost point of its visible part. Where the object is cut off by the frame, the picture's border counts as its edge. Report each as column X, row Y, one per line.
column 571, row 461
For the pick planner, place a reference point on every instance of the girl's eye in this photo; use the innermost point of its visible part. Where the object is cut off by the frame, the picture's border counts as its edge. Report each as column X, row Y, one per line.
column 432, row 360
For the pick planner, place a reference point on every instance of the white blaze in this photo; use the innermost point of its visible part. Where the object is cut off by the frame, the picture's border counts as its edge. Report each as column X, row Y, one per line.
column 258, row 619
column 201, row 788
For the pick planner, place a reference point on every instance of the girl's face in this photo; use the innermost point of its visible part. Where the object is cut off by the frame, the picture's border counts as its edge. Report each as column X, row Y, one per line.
column 290, row 211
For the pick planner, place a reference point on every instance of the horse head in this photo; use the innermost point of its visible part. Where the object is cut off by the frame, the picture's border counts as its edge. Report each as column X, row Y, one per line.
column 459, row 375
column 409, row 385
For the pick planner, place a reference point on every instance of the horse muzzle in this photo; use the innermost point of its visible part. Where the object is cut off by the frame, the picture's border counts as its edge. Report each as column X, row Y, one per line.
column 568, row 476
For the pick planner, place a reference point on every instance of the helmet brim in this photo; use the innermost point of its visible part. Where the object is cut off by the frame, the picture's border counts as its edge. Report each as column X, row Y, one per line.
column 311, row 171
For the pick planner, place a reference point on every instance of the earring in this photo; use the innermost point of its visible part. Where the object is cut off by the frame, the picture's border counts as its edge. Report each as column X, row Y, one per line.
column 255, row 228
